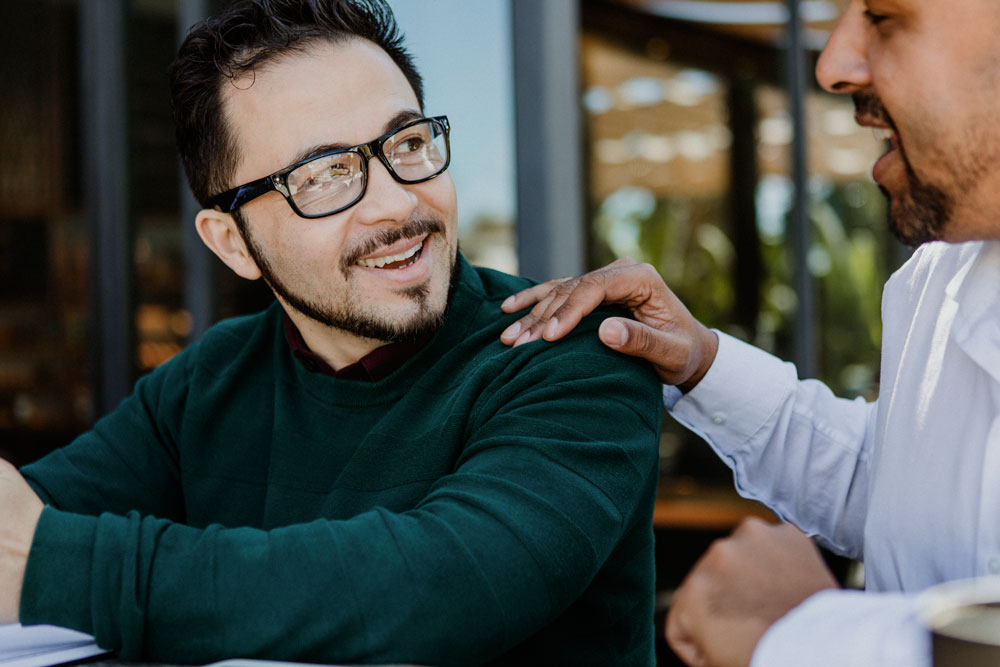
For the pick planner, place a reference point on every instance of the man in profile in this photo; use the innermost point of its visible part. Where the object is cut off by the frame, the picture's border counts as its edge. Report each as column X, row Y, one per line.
column 909, row 483
column 363, row 472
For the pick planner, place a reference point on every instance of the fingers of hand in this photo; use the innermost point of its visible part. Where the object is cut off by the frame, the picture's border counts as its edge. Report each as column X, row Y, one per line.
column 558, row 312
column 531, row 325
column 621, row 282
column 529, row 297
column 559, row 305
column 685, row 647
column 681, row 627
column 737, row 572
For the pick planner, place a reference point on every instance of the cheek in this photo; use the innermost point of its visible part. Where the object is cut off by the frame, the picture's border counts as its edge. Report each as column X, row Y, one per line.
column 439, row 195
column 306, row 246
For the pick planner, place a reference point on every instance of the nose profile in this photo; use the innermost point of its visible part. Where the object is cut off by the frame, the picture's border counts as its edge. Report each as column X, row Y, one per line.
column 843, row 65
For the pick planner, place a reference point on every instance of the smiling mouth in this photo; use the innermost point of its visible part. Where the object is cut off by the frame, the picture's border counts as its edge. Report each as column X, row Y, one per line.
column 399, row 261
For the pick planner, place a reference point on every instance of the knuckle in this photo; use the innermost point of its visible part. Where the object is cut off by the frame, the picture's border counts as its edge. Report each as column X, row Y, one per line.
column 567, row 285
column 750, row 526
column 647, row 270
column 717, row 550
column 529, row 319
column 643, row 337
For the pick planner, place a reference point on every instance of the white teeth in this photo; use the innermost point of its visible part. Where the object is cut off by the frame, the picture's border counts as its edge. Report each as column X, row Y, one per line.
column 379, row 262
column 882, row 134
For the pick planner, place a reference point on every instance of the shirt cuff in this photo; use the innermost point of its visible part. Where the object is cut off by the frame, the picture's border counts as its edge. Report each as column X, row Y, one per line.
column 671, row 395
column 741, row 390
column 837, row 627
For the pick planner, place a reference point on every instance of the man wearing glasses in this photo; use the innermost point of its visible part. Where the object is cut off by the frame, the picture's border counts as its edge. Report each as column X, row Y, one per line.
column 363, row 472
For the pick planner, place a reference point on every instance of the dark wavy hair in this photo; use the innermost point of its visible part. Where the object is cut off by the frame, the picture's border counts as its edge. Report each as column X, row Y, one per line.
column 248, row 34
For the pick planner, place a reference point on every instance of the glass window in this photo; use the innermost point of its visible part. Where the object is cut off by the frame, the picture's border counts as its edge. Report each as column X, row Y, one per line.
column 45, row 370
column 852, row 251
column 689, row 170
column 459, row 45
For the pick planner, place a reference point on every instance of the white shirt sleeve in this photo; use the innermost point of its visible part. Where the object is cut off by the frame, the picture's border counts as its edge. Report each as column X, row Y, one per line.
column 791, row 444
column 836, row 628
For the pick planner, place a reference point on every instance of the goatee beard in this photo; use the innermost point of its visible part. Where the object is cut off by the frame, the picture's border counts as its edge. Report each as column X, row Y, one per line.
column 357, row 321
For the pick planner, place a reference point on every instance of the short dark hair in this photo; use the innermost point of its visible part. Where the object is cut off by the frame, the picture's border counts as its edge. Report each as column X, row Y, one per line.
column 245, row 36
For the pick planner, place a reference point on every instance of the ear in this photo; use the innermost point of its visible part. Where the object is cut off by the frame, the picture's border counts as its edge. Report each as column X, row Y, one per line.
column 219, row 232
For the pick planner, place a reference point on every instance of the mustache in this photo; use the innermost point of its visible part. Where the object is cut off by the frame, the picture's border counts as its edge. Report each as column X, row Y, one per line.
column 868, row 105
column 409, row 230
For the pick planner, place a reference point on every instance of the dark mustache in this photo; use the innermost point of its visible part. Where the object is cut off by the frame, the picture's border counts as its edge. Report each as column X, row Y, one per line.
column 867, row 105
column 388, row 236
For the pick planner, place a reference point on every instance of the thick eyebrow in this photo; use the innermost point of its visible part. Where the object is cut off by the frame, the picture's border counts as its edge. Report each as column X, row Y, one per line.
column 400, row 119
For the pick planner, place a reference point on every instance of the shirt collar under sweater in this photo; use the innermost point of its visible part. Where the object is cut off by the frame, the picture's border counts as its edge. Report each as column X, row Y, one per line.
column 372, row 367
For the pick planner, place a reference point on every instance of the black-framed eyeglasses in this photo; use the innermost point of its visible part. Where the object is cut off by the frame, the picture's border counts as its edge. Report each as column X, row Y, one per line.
column 333, row 181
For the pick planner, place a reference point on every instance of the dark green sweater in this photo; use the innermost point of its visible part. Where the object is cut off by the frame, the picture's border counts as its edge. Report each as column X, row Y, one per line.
column 480, row 504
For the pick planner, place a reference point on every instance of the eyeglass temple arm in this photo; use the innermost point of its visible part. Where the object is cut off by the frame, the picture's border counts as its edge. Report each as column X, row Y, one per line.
column 233, row 199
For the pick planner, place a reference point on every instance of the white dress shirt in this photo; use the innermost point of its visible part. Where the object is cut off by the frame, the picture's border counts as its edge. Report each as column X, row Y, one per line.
column 909, row 483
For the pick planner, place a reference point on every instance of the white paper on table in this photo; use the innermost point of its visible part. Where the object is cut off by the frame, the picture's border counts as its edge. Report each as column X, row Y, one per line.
column 44, row 645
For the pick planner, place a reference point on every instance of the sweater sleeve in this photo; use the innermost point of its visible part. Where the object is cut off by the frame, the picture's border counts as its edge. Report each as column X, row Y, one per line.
column 560, row 464
column 128, row 461
column 791, row 444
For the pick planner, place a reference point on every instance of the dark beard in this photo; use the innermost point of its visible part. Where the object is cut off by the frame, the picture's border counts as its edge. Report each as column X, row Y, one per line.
column 425, row 323
column 922, row 213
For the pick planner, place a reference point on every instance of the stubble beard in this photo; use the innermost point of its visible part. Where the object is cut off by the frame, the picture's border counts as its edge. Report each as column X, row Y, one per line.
column 355, row 319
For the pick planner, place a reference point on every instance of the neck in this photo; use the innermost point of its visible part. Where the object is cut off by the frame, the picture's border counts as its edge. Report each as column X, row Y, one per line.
column 336, row 347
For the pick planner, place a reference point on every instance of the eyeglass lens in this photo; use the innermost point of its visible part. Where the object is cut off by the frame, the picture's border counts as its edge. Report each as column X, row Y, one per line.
column 335, row 181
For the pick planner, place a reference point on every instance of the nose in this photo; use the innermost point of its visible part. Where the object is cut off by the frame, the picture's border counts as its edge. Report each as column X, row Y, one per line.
column 843, row 65
column 386, row 199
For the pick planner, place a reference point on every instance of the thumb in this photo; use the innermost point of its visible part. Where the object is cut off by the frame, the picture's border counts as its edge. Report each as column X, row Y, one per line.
column 665, row 351
column 629, row 337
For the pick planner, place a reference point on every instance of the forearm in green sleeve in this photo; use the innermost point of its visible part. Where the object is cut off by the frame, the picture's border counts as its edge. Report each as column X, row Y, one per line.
column 380, row 587
column 495, row 552
column 128, row 461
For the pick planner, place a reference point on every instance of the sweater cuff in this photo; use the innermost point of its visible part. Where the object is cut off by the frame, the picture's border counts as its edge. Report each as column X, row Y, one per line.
column 57, row 585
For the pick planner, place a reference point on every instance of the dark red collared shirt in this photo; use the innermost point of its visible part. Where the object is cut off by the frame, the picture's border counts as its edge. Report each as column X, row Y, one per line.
column 375, row 365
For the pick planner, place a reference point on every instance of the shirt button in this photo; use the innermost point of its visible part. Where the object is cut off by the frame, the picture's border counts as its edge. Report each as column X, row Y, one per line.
column 718, row 418
column 994, row 565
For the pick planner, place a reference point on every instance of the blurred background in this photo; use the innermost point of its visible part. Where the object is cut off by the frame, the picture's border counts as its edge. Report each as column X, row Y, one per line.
column 687, row 134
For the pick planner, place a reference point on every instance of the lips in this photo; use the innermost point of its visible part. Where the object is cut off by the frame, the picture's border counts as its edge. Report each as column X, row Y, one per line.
column 882, row 132
column 882, row 166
